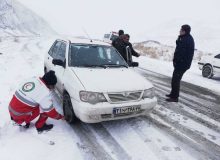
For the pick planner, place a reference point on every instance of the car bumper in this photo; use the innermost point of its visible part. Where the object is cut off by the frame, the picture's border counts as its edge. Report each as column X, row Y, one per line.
column 104, row 111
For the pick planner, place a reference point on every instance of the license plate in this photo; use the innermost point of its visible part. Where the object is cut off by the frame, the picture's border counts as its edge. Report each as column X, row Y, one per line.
column 126, row 110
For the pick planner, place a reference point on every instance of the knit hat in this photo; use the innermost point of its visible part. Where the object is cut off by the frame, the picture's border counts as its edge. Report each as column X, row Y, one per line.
column 50, row 78
column 186, row 28
column 120, row 32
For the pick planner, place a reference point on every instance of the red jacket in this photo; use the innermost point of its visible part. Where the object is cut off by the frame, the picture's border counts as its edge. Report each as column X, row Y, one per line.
column 30, row 95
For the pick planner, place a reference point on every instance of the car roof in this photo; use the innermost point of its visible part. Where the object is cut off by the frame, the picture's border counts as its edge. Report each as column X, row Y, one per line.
column 85, row 41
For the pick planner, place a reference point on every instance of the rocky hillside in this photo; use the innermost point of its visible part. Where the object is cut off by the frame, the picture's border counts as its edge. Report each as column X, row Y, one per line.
column 155, row 49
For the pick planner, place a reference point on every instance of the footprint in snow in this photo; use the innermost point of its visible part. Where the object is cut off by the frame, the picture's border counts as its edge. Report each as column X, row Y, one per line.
column 177, row 149
column 212, row 137
column 166, row 148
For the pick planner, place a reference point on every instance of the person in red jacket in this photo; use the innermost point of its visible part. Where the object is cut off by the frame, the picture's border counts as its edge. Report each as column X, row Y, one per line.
column 33, row 98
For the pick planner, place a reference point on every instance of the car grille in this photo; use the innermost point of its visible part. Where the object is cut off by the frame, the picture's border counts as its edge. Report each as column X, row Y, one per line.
column 124, row 96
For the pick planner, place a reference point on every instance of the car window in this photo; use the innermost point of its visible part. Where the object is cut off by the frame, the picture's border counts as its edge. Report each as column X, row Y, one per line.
column 51, row 49
column 82, row 55
column 217, row 56
column 55, row 49
column 61, row 52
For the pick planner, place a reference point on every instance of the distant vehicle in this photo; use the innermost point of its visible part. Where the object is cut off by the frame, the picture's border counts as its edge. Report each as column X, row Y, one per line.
column 95, row 82
column 109, row 37
column 210, row 65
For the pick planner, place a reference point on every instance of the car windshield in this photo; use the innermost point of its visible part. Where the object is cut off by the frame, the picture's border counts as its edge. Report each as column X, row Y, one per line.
column 86, row 55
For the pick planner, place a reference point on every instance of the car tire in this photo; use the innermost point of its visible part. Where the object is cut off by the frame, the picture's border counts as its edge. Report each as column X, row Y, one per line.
column 68, row 111
column 207, row 71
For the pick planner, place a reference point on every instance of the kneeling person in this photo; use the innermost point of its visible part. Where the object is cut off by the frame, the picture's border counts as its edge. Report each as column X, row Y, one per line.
column 33, row 98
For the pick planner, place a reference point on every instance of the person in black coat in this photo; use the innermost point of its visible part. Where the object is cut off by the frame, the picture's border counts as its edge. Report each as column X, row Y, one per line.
column 182, row 60
column 118, row 39
column 124, row 47
column 129, row 50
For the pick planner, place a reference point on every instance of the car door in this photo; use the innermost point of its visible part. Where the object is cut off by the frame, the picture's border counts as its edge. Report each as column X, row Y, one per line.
column 59, row 70
column 216, row 63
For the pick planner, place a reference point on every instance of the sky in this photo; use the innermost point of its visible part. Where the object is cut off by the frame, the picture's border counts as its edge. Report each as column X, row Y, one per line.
column 142, row 19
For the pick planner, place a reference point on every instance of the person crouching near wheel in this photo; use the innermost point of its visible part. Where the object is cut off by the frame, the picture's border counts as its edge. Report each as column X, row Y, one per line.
column 32, row 99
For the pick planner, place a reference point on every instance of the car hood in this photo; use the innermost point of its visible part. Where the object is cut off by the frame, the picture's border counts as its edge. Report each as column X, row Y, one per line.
column 111, row 79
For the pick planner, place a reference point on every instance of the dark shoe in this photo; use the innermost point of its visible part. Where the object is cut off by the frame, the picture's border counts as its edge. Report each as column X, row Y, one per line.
column 27, row 125
column 46, row 127
column 172, row 99
column 168, row 95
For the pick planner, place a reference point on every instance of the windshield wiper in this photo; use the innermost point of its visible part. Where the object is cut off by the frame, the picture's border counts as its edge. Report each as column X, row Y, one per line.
column 115, row 65
column 92, row 66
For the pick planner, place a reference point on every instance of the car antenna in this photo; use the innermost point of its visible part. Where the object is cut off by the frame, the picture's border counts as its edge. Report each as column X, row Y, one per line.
column 87, row 34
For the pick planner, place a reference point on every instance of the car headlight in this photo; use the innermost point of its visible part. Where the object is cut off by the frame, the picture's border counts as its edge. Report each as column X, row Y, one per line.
column 149, row 93
column 92, row 97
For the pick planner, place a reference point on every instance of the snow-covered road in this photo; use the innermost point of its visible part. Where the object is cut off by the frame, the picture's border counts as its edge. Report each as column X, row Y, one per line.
column 189, row 130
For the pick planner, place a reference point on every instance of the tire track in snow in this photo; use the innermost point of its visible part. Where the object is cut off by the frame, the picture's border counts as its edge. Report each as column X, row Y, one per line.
column 204, row 143
column 184, row 141
column 109, row 141
column 187, row 111
column 129, row 139
column 212, row 110
column 197, row 106
column 89, row 146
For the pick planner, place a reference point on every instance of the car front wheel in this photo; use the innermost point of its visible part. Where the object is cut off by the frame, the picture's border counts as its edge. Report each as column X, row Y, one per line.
column 207, row 71
column 68, row 109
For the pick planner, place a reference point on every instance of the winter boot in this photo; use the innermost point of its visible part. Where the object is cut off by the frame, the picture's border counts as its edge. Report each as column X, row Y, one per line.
column 168, row 95
column 46, row 127
column 172, row 99
column 27, row 125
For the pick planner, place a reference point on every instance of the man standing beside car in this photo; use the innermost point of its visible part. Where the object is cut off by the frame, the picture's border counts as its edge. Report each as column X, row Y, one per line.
column 124, row 47
column 182, row 60
column 131, row 50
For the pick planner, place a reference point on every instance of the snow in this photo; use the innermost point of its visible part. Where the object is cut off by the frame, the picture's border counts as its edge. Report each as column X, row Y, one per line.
column 18, row 62
column 24, row 58
column 192, row 125
column 17, row 20
column 193, row 75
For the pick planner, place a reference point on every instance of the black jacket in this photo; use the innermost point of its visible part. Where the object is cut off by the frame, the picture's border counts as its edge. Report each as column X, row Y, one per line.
column 184, row 52
column 120, row 45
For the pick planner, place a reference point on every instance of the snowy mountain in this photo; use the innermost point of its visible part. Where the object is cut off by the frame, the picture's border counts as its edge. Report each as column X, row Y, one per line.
column 16, row 19
column 157, row 50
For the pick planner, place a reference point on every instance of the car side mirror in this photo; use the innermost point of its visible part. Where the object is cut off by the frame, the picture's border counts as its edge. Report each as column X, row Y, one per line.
column 58, row 62
column 134, row 64
column 217, row 56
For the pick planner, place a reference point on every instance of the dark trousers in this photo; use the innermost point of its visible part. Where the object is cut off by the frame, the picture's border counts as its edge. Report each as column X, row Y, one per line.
column 175, row 84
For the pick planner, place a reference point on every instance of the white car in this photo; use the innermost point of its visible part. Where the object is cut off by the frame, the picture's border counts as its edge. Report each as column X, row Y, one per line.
column 96, row 83
column 210, row 65
column 109, row 37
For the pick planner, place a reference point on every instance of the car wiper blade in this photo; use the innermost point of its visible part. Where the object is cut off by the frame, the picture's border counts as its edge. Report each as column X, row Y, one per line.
column 93, row 66
column 115, row 65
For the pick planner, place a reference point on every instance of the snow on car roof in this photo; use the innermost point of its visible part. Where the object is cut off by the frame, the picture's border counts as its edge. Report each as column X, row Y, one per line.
column 87, row 41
